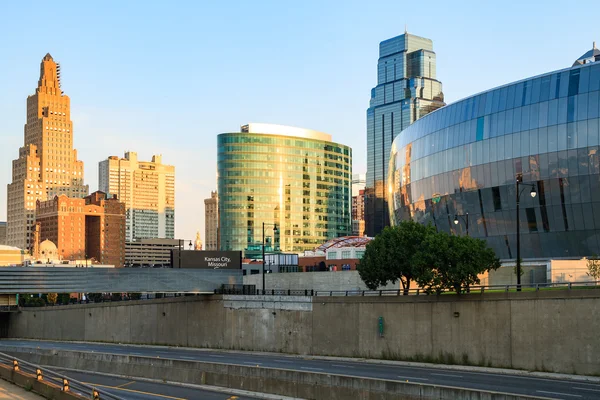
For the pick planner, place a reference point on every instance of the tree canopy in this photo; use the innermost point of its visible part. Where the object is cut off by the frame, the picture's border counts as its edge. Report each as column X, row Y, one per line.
column 394, row 255
column 411, row 252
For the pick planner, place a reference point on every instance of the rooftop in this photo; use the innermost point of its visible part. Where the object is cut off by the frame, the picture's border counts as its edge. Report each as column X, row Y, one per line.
column 345, row 241
column 274, row 129
column 590, row 56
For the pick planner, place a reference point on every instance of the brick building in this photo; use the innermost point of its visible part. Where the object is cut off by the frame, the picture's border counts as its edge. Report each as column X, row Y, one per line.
column 88, row 228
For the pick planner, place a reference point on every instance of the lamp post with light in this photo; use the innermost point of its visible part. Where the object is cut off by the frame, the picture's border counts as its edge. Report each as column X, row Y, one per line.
column 263, row 251
column 465, row 219
column 533, row 193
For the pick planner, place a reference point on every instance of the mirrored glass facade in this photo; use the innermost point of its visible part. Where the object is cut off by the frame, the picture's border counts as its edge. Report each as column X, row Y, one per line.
column 406, row 90
column 466, row 157
column 298, row 180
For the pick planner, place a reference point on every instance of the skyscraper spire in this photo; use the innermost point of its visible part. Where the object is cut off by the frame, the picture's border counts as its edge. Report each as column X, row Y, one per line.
column 49, row 81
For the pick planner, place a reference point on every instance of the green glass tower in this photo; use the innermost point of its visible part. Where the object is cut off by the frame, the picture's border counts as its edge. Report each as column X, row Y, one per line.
column 295, row 179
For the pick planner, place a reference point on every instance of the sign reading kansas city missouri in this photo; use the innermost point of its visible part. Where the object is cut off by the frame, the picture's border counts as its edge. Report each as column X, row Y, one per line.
column 217, row 259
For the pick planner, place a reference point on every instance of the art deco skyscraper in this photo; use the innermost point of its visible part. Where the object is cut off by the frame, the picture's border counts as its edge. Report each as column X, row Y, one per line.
column 406, row 90
column 47, row 163
column 211, row 222
column 148, row 190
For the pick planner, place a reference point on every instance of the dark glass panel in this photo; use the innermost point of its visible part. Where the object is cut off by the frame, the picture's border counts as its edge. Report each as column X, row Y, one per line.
column 583, row 161
column 572, row 162
column 531, row 219
column 574, row 82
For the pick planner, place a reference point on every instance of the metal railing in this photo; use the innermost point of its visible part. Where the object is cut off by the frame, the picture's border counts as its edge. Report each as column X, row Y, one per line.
column 420, row 291
column 62, row 381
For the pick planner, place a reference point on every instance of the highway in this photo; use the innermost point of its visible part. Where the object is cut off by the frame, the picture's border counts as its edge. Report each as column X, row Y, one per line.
column 525, row 385
column 141, row 390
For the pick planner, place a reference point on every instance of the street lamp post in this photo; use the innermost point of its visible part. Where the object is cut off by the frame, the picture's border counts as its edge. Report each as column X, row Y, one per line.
column 465, row 219
column 263, row 252
column 533, row 193
column 181, row 247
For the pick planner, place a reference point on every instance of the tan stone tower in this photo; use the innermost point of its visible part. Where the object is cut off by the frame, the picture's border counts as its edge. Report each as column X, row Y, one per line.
column 47, row 163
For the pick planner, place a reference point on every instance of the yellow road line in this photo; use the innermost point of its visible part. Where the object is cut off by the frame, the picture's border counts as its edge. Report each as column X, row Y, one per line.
column 136, row 391
column 125, row 384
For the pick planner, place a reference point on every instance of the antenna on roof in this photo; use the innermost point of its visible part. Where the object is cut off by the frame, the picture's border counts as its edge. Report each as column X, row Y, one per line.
column 405, row 29
column 594, row 45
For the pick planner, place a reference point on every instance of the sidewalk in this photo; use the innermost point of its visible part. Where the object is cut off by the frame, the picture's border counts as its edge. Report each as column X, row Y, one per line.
column 8, row 391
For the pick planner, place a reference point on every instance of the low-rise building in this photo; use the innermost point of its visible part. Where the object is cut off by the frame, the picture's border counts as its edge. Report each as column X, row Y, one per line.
column 12, row 256
column 150, row 252
column 88, row 228
column 2, row 232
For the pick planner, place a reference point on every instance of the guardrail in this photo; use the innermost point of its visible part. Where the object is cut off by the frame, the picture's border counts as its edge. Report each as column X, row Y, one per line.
column 64, row 382
column 416, row 292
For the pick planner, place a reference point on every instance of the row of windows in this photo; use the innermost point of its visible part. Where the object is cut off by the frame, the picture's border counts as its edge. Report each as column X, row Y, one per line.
column 556, row 85
column 280, row 142
column 524, row 144
column 563, row 123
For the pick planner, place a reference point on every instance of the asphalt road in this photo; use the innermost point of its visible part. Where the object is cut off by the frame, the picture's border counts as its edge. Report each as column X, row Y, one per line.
column 141, row 390
column 552, row 388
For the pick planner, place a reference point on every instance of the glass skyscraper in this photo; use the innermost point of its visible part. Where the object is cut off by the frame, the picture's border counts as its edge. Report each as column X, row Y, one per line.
column 296, row 179
column 465, row 159
column 406, row 90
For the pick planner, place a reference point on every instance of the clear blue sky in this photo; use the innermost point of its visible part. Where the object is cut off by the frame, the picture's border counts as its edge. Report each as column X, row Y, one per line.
column 167, row 77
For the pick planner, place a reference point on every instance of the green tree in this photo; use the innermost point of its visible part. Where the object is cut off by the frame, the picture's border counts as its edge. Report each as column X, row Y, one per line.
column 95, row 297
column 394, row 255
column 64, row 298
column 116, row 297
column 52, row 297
column 593, row 266
column 454, row 262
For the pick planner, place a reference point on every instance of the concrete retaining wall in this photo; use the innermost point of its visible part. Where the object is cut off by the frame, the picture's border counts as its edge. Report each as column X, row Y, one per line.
column 325, row 281
column 298, row 384
column 545, row 331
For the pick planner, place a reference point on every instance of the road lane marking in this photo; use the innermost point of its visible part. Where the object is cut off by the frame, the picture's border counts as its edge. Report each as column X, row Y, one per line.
column 214, row 355
column 188, row 358
column 135, row 391
column 559, row 394
column 341, row 366
column 413, row 378
column 314, row 369
column 284, row 361
column 450, row 375
column 591, row 390
column 125, row 384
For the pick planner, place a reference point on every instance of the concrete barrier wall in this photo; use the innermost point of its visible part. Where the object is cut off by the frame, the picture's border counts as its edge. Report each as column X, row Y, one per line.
column 325, row 281
column 297, row 384
column 545, row 331
column 44, row 388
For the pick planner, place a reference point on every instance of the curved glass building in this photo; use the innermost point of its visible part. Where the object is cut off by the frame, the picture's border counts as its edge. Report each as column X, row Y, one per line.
column 296, row 179
column 461, row 162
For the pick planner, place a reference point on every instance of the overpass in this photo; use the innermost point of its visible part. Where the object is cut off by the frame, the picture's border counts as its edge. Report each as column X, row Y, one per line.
column 19, row 280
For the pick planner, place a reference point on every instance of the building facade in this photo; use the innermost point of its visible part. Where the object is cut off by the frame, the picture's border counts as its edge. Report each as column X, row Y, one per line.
column 358, row 204
column 406, row 90
column 2, row 233
column 466, row 158
column 47, row 165
column 211, row 222
column 295, row 179
column 81, row 229
column 150, row 252
column 148, row 190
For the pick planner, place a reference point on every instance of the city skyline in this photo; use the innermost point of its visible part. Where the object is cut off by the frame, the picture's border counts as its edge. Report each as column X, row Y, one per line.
column 131, row 91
